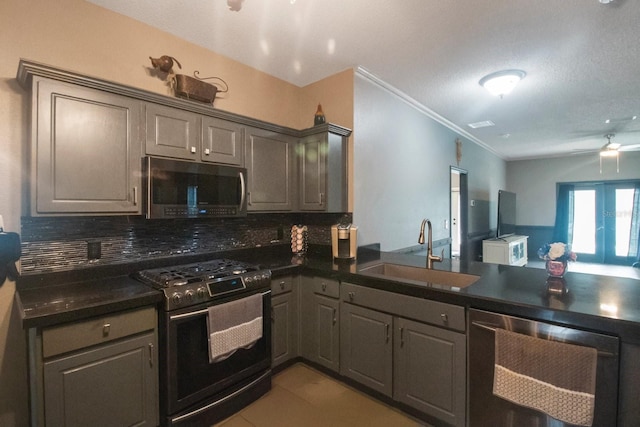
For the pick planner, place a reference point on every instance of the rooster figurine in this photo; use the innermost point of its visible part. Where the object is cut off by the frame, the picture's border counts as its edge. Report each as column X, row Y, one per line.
column 164, row 63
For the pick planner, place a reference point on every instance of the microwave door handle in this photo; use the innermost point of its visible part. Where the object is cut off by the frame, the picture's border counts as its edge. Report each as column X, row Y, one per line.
column 243, row 188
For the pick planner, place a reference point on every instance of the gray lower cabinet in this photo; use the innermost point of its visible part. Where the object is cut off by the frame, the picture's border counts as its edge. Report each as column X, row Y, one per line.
column 270, row 170
column 111, row 385
column 411, row 349
column 430, row 370
column 366, row 347
column 284, row 318
column 85, row 151
column 320, row 321
column 99, row 371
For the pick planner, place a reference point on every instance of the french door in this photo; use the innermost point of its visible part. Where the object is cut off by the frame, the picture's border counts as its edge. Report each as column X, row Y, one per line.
column 604, row 223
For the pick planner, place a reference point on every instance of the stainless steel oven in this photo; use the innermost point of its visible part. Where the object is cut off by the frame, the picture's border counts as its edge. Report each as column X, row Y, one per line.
column 193, row 390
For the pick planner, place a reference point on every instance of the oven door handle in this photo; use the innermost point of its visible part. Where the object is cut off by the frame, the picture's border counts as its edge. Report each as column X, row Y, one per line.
column 203, row 311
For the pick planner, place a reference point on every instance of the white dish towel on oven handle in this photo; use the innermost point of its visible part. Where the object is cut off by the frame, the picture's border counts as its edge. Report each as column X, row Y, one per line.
column 234, row 325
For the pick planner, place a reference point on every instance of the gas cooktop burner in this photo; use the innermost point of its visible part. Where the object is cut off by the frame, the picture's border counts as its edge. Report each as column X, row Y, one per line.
column 179, row 275
column 190, row 284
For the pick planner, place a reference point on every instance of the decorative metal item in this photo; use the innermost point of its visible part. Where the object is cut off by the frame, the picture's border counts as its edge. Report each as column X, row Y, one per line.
column 195, row 88
column 164, row 63
column 186, row 86
column 319, row 118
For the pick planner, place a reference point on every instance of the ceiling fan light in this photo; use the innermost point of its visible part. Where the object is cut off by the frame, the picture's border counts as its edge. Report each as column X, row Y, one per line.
column 609, row 152
column 502, row 82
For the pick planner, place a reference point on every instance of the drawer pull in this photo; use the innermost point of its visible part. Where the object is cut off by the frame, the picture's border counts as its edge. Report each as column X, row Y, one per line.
column 352, row 295
column 335, row 319
column 282, row 284
column 106, row 328
column 444, row 317
column 324, row 287
column 386, row 325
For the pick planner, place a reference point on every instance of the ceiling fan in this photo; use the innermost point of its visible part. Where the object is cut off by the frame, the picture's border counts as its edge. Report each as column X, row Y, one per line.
column 611, row 149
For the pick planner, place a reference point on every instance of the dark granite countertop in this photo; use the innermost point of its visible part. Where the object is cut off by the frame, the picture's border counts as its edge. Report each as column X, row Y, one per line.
column 592, row 302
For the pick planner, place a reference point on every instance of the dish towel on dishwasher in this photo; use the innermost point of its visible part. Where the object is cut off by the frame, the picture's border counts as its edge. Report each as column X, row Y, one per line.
column 234, row 325
column 556, row 378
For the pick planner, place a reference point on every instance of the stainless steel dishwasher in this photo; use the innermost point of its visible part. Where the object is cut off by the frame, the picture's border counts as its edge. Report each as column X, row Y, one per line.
column 488, row 410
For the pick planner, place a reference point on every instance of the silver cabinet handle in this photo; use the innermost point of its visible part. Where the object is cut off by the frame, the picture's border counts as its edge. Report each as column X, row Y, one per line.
column 444, row 317
column 193, row 150
column 135, row 196
column 150, row 354
column 352, row 295
column 207, row 151
column 335, row 320
column 321, row 198
column 401, row 337
column 106, row 328
column 282, row 284
column 324, row 287
column 386, row 325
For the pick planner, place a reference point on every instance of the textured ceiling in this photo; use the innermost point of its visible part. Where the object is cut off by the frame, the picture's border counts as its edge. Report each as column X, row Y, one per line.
column 582, row 58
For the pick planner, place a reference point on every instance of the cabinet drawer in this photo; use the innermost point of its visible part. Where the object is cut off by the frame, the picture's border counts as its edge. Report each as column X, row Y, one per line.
column 73, row 336
column 280, row 285
column 326, row 287
column 427, row 311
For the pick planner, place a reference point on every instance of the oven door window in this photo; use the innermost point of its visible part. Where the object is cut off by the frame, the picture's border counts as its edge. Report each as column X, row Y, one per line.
column 193, row 375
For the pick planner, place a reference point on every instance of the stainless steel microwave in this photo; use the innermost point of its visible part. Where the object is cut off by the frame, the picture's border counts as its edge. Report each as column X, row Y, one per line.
column 184, row 189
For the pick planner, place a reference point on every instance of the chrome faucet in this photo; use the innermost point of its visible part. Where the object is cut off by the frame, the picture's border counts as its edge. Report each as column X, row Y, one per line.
column 430, row 256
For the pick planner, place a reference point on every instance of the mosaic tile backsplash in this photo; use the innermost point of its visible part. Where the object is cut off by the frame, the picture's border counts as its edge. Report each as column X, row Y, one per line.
column 61, row 244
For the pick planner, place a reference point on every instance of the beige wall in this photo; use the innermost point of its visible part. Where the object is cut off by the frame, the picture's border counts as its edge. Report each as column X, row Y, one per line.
column 81, row 37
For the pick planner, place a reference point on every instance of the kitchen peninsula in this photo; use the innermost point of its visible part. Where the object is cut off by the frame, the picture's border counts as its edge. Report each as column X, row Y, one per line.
column 588, row 302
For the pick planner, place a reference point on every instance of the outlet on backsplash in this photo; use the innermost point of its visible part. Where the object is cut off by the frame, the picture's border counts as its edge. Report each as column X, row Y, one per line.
column 94, row 250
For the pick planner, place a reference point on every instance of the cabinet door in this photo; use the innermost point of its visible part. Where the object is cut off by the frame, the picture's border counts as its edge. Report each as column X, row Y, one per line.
column 222, row 141
column 172, row 132
column 313, row 155
column 284, row 328
column 270, row 170
column 86, row 151
column 430, row 370
column 110, row 385
column 366, row 347
column 327, row 332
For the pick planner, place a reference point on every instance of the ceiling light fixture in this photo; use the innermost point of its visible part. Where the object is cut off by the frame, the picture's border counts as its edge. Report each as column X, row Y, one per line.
column 501, row 83
column 610, row 149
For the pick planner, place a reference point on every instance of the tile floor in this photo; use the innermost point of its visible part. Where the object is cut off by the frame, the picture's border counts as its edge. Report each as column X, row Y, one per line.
column 303, row 397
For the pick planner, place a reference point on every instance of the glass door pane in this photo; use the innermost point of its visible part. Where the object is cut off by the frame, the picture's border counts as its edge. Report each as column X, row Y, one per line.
column 584, row 222
column 624, row 207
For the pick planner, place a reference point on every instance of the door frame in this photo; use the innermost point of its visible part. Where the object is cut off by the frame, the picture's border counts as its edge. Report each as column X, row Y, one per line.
column 463, row 221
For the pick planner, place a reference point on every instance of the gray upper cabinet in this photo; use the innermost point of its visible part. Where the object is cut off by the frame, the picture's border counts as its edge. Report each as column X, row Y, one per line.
column 323, row 166
column 313, row 160
column 171, row 132
column 85, row 151
column 270, row 170
column 222, row 141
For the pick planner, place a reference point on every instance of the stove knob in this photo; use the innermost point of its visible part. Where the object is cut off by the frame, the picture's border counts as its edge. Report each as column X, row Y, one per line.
column 265, row 276
column 177, row 298
column 248, row 279
column 256, row 278
column 202, row 292
column 188, row 295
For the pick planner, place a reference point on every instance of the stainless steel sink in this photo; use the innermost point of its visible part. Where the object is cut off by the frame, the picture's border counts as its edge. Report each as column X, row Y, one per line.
column 421, row 274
